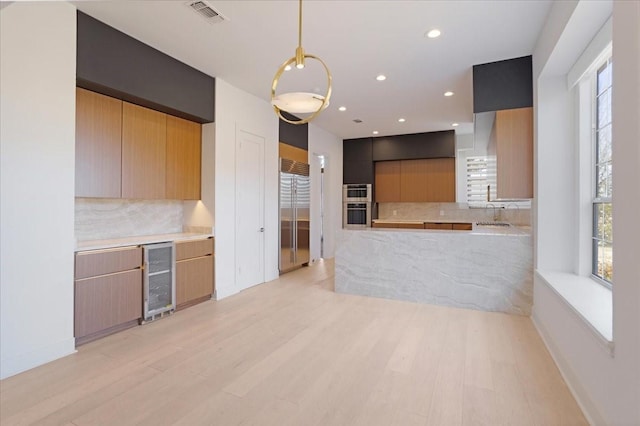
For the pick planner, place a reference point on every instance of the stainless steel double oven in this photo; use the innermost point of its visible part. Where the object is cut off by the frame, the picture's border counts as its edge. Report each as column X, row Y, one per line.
column 356, row 204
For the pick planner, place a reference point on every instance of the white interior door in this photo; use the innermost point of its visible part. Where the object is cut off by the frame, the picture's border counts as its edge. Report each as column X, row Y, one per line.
column 249, row 209
column 316, row 207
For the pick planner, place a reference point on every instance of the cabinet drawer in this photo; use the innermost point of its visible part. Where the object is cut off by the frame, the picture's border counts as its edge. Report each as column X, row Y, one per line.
column 191, row 249
column 100, row 262
column 384, row 225
column 462, row 227
column 107, row 301
column 194, row 279
column 410, row 225
column 437, row 225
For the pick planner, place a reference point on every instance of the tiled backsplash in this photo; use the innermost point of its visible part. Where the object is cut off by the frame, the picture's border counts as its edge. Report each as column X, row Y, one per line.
column 98, row 219
column 451, row 211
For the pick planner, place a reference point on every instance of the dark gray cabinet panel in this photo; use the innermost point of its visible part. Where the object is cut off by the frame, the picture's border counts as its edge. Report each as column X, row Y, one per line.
column 503, row 85
column 357, row 161
column 415, row 146
column 112, row 63
column 293, row 134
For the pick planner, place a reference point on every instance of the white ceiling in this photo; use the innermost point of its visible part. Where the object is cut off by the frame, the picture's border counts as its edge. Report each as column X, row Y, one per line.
column 357, row 39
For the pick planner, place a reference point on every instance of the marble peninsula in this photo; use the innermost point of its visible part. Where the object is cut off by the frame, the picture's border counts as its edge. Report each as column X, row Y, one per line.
column 488, row 268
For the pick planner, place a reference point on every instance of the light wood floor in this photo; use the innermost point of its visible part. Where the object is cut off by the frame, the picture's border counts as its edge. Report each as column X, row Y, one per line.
column 293, row 352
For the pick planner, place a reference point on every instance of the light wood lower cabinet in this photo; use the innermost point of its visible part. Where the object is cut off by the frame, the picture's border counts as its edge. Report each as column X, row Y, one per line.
column 438, row 225
column 462, row 227
column 455, row 226
column 108, row 292
column 107, row 301
column 194, row 272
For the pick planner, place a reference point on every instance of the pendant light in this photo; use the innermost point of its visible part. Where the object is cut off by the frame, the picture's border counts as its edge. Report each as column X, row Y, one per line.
column 299, row 102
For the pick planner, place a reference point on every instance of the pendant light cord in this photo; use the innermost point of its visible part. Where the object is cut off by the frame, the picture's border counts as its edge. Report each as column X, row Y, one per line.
column 300, row 24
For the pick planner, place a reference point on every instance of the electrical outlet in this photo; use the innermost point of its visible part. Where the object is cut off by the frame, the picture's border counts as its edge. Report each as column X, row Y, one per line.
column 441, row 212
column 395, row 212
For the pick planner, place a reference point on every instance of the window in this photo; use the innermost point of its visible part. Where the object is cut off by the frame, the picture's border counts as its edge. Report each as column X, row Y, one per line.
column 481, row 174
column 602, row 252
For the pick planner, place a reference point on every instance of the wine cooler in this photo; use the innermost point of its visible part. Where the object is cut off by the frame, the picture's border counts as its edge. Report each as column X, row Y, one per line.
column 159, row 296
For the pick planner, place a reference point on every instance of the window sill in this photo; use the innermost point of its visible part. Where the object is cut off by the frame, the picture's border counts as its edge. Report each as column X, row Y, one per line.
column 591, row 301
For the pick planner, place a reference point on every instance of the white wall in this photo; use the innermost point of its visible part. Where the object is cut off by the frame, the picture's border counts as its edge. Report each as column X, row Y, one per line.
column 329, row 145
column 37, row 134
column 238, row 109
column 607, row 385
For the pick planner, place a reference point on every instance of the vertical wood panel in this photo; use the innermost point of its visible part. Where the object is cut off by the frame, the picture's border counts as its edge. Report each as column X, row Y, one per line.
column 514, row 136
column 144, row 135
column 441, row 180
column 98, row 145
column 184, row 146
column 413, row 181
column 387, row 181
column 427, row 180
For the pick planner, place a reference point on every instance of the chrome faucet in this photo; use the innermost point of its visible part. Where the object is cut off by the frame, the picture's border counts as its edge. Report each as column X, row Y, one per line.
column 495, row 215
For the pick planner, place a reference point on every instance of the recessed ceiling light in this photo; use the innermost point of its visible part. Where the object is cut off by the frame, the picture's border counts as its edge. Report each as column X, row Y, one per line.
column 375, row 132
column 401, row 120
column 454, row 124
column 448, row 94
column 287, row 68
column 342, row 108
column 433, row 33
column 381, row 77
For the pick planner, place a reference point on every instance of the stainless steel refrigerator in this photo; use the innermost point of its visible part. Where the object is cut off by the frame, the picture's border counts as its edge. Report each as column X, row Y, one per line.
column 295, row 197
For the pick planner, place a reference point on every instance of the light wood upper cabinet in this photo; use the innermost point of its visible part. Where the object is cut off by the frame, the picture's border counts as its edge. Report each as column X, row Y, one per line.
column 128, row 151
column 424, row 180
column 98, row 147
column 144, row 136
column 441, row 180
column 514, row 152
column 183, row 157
column 293, row 153
column 387, row 181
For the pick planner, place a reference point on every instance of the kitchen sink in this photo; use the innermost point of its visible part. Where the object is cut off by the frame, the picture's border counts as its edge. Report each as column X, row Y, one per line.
column 493, row 224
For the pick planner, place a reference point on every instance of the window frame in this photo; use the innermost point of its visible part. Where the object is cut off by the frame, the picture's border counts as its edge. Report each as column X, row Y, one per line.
column 604, row 61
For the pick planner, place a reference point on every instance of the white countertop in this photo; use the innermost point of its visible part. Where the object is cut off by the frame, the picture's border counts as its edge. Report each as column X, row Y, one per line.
column 138, row 240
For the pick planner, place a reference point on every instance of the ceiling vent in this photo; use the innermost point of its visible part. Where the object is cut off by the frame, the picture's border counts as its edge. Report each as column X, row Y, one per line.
column 203, row 9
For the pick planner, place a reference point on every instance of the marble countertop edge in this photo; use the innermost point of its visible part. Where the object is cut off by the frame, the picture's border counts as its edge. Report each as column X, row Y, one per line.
column 139, row 240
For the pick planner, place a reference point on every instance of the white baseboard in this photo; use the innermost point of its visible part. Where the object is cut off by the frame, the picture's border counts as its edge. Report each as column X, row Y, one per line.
column 591, row 413
column 26, row 361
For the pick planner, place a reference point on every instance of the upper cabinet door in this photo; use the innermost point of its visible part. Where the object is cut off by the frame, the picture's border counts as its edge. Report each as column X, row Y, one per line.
column 184, row 144
column 98, row 146
column 387, row 178
column 514, row 151
column 144, row 143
